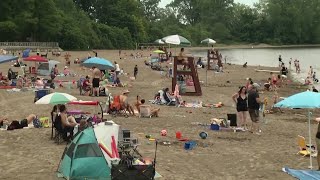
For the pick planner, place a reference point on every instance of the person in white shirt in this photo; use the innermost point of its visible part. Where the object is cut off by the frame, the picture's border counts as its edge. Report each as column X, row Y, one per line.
column 117, row 67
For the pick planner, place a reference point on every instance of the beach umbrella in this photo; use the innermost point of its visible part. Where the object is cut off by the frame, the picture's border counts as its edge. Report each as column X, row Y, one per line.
column 35, row 59
column 208, row 41
column 56, row 98
column 176, row 39
column 305, row 100
column 159, row 41
column 6, row 58
column 158, row 51
column 99, row 63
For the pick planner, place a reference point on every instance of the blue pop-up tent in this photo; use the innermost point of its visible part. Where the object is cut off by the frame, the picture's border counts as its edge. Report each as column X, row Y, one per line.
column 26, row 53
column 6, row 58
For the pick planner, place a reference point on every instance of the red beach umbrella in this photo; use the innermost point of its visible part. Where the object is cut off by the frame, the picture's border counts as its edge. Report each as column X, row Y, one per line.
column 35, row 59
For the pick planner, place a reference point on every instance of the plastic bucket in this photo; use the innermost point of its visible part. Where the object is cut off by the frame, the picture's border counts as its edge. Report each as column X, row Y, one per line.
column 189, row 145
column 178, row 135
column 203, row 135
column 215, row 127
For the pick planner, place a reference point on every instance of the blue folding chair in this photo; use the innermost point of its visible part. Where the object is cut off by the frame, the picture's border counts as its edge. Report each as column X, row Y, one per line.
column 40, row 93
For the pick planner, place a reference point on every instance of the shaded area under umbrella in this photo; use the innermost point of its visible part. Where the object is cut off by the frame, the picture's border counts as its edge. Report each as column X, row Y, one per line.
column 305, row 100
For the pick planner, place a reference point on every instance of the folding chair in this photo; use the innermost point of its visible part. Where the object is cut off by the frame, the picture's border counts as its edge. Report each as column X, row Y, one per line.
column 305, row 149
column 116, row 109
column 145, row 111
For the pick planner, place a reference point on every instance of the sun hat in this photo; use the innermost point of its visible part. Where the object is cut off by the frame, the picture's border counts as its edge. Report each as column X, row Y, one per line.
column 125, row 91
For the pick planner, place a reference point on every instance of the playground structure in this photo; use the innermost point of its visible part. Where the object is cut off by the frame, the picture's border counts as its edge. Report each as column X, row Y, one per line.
column 214, row 59
column 192, row 72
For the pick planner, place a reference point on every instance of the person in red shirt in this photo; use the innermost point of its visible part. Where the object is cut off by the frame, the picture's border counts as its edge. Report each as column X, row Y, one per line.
column 86, row 85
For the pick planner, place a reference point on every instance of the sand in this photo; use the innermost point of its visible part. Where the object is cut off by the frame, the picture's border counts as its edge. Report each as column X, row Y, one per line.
column 30, row 154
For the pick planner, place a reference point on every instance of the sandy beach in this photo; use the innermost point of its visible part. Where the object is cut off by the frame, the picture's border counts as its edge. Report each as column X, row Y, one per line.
column 30, row 154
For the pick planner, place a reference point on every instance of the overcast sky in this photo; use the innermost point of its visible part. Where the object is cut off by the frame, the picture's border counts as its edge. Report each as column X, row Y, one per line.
column 163, row 3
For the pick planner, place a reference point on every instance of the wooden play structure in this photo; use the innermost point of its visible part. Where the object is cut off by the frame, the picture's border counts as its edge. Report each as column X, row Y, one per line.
column 214, row 58
column 189, row 73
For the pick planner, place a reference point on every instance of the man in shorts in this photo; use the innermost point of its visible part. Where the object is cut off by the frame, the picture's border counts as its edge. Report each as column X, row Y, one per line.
column 253, row 108
column 318, row 143
column 96, row 80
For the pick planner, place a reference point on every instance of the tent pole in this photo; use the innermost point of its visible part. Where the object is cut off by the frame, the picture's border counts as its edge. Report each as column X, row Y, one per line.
column 310, row 147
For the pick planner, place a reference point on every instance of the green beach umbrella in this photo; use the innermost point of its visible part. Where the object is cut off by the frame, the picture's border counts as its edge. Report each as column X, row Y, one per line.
column 159, row 51
column 159, row 41
column 176, row 39
column 56, row 98
column 208, row 41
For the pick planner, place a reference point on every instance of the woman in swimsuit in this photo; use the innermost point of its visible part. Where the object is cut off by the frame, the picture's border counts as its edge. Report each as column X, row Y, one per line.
column 240, row 98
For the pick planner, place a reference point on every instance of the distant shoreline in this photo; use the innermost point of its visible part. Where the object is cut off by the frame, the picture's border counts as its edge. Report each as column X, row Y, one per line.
column 253, row 46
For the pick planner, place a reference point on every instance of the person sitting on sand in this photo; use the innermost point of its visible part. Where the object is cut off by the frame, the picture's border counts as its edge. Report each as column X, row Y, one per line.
column 125, row 102
column 314, row 89
column 154, row 111
column 39, row 83
column 307, row 81
column 22, row 123
column 245, row 65
column 5, row 81
column 267, row 85
column 86, row 85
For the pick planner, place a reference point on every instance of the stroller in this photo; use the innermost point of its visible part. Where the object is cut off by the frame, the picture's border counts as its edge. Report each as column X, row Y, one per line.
column 116, row 109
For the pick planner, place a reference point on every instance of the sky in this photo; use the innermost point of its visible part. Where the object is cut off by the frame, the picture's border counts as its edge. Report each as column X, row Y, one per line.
column 163, row 3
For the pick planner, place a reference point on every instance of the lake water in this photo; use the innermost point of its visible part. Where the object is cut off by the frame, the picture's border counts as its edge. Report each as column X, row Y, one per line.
column 269, row 57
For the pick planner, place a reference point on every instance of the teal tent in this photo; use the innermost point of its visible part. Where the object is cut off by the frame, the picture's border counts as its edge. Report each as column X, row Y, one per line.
column 83, row 159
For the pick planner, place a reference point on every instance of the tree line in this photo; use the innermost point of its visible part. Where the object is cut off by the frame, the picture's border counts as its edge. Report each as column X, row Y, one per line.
column 120, row 24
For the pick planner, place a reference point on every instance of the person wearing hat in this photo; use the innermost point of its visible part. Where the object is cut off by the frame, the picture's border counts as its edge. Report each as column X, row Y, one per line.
column 125, row 102
column 253, row 108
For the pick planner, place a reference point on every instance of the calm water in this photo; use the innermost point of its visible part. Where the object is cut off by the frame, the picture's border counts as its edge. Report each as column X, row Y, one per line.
column 269, row 57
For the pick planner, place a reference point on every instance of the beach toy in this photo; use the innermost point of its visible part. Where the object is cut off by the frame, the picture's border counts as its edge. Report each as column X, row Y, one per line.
column 189, row 145
column 215, row 127
column 163, row 132
column 178, row 135
column 203, row 135
column 148, row 136
column 152, row 139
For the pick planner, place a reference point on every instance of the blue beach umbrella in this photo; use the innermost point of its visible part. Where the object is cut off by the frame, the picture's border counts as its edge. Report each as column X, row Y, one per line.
column 305, row 100
column 6, row 58
column 99, row 63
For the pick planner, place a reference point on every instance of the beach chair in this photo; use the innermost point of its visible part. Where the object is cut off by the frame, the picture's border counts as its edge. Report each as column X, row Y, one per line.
column 40, row 93
column 145, row 111
column 304, row 148
column 116, row 109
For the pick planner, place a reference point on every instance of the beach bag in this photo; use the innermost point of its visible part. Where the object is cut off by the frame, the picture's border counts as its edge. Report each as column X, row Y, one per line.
column 37, row 123
column 44, row 121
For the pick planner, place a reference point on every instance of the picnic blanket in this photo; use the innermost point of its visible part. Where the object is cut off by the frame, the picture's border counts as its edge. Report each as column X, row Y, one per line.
column 302, row 174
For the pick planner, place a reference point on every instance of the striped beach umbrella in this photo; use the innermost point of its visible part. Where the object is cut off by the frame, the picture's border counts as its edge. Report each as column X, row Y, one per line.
column 176, row 39
column 56, row 98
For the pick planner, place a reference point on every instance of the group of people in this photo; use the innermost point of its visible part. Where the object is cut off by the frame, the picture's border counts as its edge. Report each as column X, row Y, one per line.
column 247, row 100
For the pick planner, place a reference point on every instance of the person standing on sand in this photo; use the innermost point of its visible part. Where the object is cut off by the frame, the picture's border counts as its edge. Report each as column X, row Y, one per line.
column 253, row 108
column 280, row 60
column 117, row 67
column 310, row 71
column 318, row 142
column 96, row 74
column 240, row 98
column 135, row 71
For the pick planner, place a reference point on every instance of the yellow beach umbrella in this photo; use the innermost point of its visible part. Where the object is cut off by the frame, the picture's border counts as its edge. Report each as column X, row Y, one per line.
column 159, row 51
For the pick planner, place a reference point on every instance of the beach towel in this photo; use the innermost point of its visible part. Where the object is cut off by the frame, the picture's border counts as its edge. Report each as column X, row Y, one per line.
column 302, row 174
